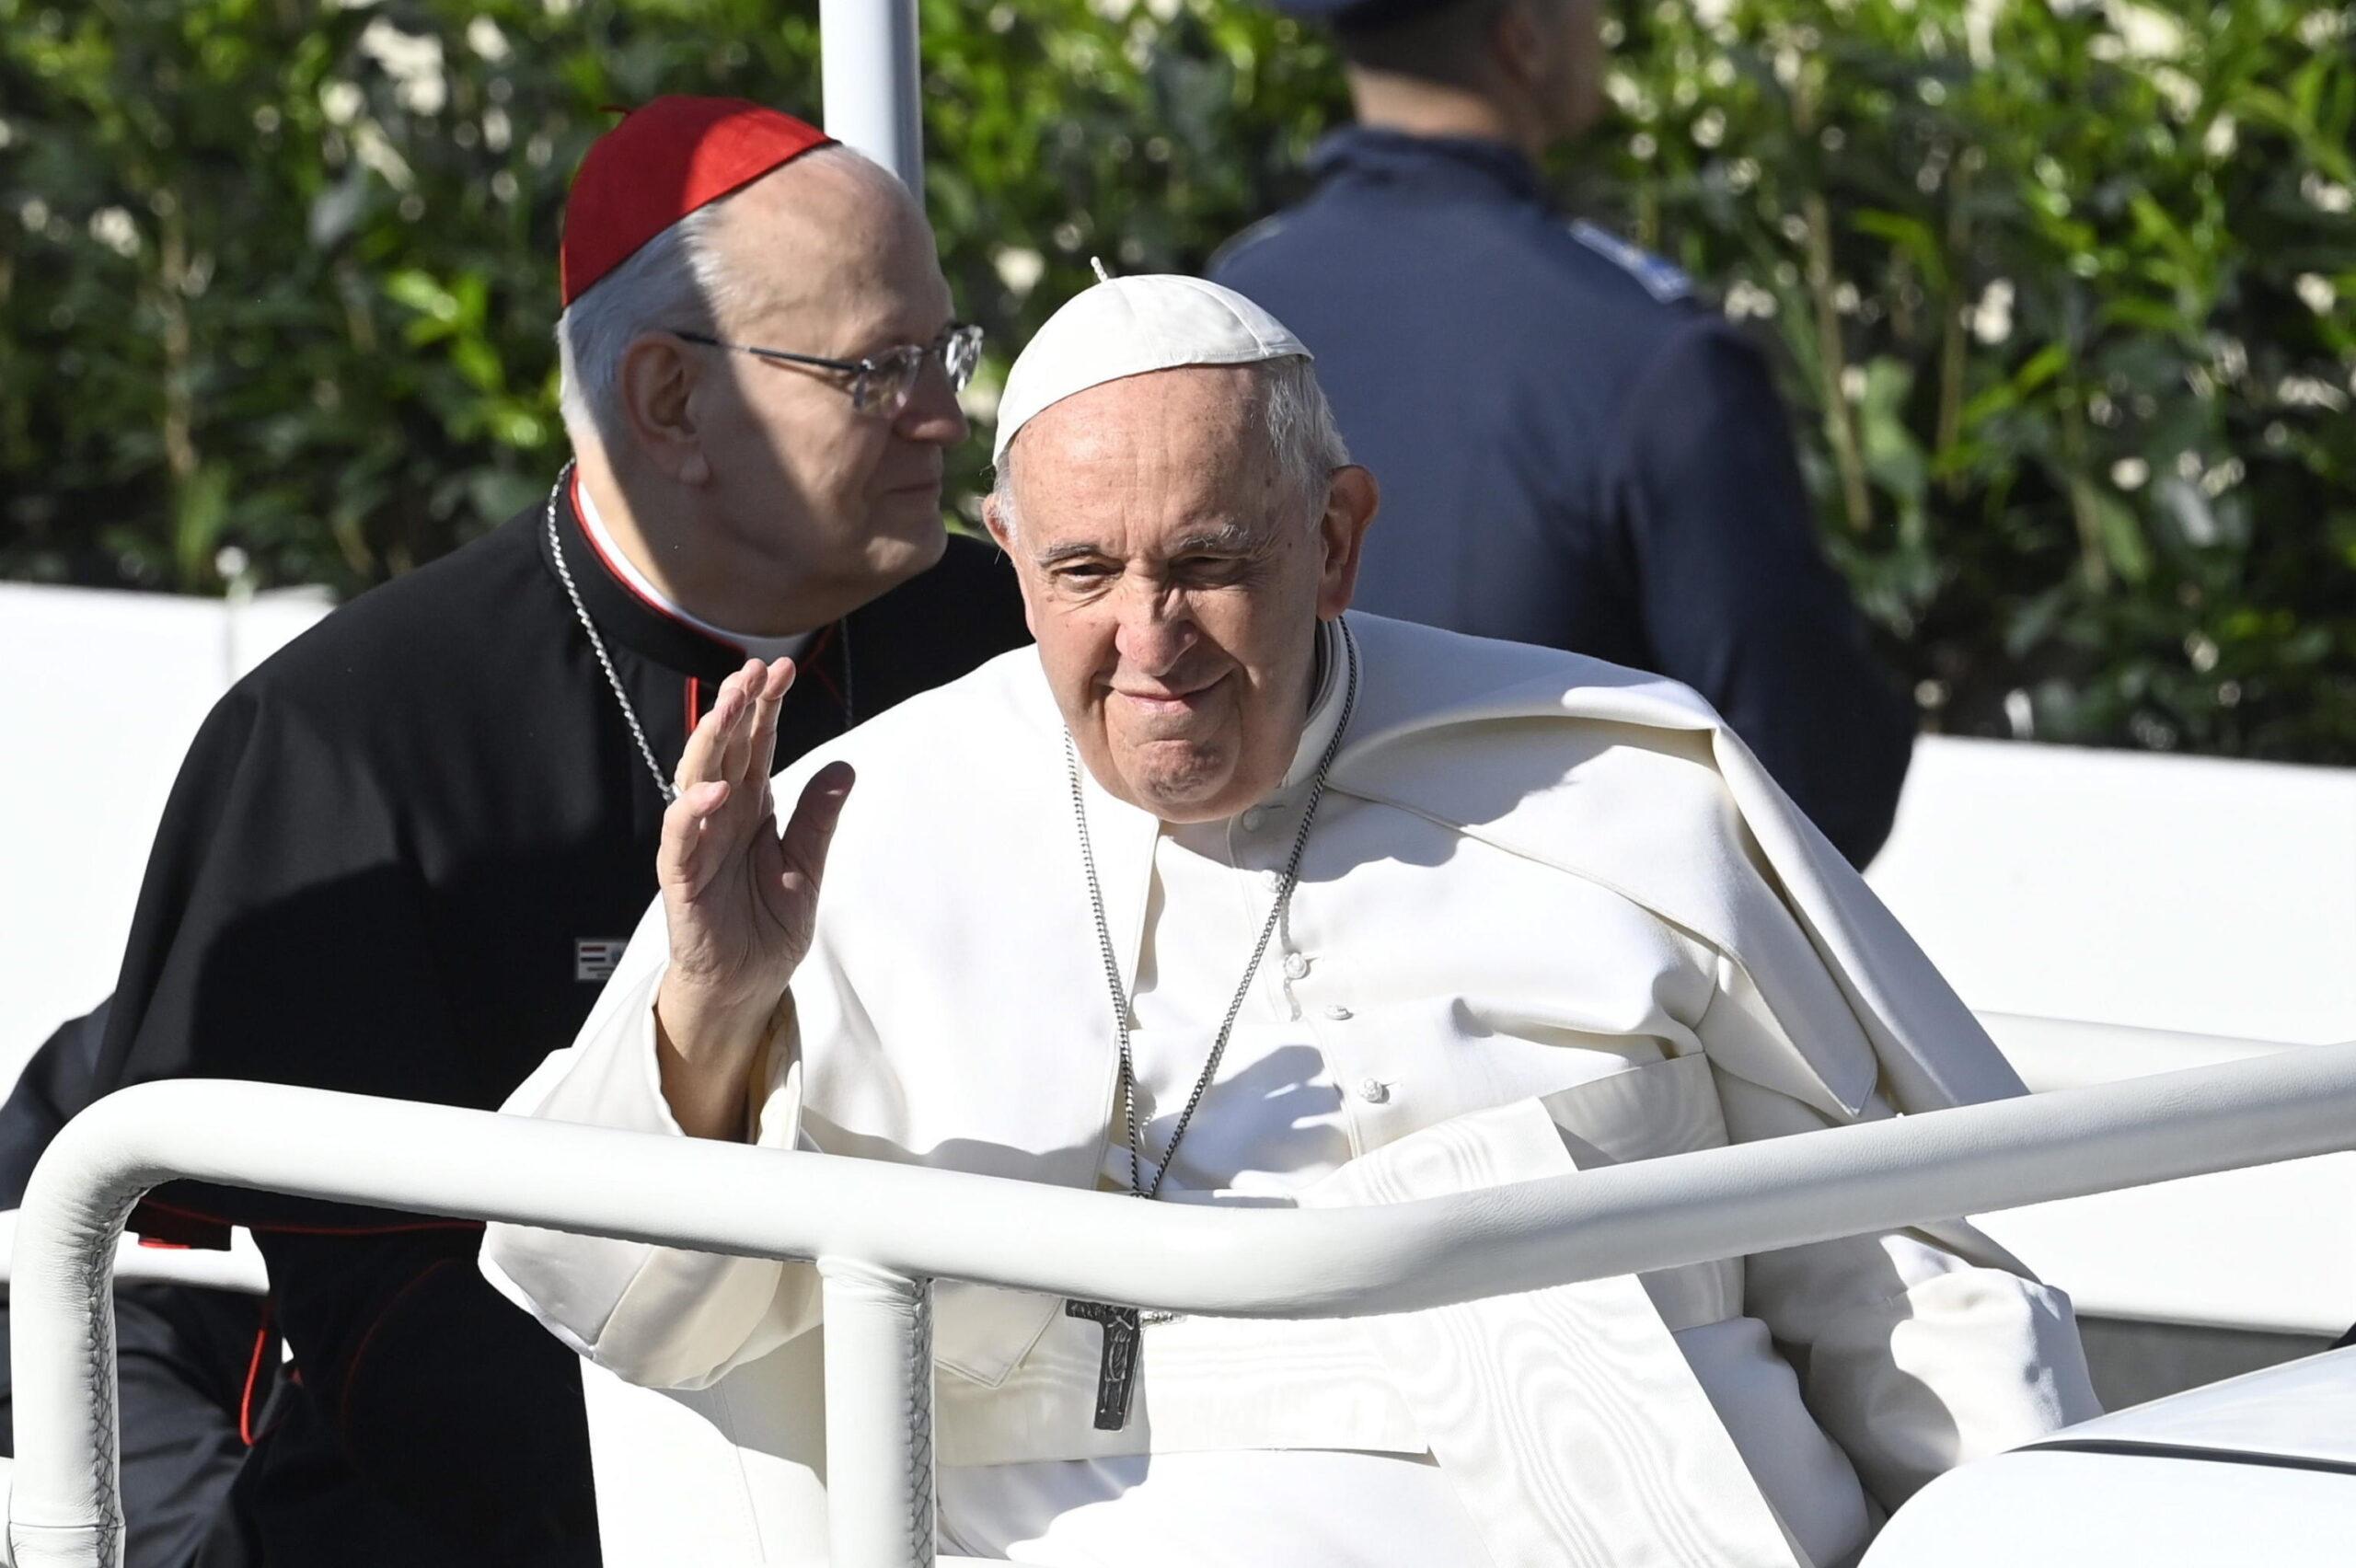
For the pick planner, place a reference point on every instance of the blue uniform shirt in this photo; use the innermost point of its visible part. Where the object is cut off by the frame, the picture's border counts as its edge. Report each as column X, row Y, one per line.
column 1573, row 452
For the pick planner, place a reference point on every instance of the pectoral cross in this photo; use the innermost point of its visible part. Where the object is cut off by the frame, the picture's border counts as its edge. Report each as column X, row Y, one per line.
column 1116, row 1378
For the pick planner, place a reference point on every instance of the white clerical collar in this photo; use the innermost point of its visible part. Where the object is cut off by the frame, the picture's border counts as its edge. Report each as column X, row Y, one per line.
column 1324, row 705
column 619, row 562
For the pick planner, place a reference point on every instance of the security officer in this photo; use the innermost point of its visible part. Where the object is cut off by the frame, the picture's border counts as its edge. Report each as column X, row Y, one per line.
column 1572, row 451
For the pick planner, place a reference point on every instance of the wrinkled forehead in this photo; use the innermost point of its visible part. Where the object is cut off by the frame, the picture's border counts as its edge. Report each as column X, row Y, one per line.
column 1194, row 437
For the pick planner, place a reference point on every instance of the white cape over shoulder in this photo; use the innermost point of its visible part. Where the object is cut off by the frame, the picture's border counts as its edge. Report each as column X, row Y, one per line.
column 951, row 1014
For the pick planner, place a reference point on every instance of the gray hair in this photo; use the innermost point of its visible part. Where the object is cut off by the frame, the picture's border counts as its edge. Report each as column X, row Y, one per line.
column 1302, row 437
column 675, row 281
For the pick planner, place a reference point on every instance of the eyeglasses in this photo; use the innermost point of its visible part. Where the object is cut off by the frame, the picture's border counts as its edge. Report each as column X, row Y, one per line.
column 882, row 384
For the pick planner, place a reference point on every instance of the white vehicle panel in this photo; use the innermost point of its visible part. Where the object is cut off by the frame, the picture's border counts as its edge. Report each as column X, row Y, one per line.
column 2062, row 1509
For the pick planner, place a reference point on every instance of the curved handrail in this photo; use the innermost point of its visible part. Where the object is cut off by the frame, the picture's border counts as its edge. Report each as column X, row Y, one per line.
column 924, row 1223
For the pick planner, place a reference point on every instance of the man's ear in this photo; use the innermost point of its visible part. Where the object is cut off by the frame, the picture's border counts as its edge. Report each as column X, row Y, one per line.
column 1351, row 500
column 1519, row 43
column 1000, row 521
column 657, row 380
column 995, row 519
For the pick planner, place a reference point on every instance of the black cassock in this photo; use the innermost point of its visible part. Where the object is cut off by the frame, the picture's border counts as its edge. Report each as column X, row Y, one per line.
column 399, row 860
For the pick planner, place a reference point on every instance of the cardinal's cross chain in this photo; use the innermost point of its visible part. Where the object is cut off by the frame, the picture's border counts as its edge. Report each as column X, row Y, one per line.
column 1116, row 1380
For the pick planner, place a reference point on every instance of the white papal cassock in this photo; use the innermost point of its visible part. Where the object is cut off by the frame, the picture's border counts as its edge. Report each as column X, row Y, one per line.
column 1542, row 893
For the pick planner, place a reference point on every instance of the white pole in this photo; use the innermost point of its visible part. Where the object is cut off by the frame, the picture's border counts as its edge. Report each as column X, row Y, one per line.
column 867, row 53
column 879, row 1417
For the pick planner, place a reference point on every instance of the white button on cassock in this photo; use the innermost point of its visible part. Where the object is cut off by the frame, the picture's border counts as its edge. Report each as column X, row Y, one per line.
column 1338, row 1013
column 1296, row 965
column 1374, row 1091
column 1254, row 818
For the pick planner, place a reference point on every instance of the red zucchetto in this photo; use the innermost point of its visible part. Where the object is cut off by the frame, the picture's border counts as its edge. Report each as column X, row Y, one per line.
column 661, row 163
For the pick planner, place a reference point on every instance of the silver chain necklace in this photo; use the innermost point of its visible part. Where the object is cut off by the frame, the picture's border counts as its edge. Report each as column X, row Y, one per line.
column 669, row 790
column 1116, row 1373
column 1137, row 1186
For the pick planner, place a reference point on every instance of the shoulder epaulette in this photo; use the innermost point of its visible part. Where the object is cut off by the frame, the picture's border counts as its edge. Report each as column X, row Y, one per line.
column 1662, row 279
column 1238, row 243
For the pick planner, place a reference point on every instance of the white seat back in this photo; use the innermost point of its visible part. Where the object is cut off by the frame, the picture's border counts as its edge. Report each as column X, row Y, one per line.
column 733, row 1474
column 2189, row 894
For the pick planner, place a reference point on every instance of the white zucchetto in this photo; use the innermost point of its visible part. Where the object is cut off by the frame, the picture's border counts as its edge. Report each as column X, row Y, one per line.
column 1126, row 327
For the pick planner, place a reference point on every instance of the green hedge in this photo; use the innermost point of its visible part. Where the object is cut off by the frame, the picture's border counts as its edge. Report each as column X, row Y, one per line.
column 2065, row 295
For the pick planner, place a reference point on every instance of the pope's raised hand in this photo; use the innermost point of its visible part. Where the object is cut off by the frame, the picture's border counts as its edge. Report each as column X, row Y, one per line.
column 740, row 898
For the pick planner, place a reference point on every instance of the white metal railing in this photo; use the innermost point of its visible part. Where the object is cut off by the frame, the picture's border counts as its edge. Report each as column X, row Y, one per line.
column 880, row 1232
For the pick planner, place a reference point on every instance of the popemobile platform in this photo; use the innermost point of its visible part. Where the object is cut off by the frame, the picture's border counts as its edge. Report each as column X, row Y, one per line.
column 2159, row 945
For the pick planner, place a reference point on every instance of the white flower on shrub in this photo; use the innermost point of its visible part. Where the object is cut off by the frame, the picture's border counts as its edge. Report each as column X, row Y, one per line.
column 2230, row 355
column 1992, row 318
column 1980, row 30
column 341, row 102
column 2310, row 392
column 1626, row 96
column 1746, row 299
column 414, row 63
column 2147, row 33
column 370, row 147
column 113, row 227
column 2129, row 473
column 2190, row 510
column 2324, row 195
column 2316, row 293
column 2219, row 140
column 1019, row 268
column 2181, row 91
column 485, row 39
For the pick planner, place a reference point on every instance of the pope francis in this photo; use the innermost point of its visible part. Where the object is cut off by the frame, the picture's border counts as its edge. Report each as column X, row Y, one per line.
column 1223, row 895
